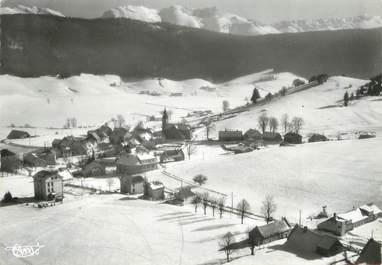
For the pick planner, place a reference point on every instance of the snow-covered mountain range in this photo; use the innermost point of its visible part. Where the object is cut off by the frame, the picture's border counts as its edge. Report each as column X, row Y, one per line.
column 29, row 10
column 212, row 19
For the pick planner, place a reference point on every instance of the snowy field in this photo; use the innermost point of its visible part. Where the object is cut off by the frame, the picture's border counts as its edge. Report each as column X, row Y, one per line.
column 339, row 174
column 112, row 229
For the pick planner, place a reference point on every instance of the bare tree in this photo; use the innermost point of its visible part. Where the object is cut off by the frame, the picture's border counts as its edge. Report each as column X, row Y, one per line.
column 284, row 121
column 263, row 121
column 297, row 123
column 191, row 149
column 114, row 121
column 273, row 124
column 268, row 208
column 209, row 127
column 225, row 105
column 73, row 122
column 214, row 204
column 205, row 197
column 110, row 183
column 244, row 207
column 200, row 179
column 221, row 203
column 120, row 121
column 226, row 243
column 196, row 201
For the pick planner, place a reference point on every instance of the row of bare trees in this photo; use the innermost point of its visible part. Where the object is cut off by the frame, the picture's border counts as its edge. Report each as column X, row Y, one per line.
column 295, row 124
column 227, row 241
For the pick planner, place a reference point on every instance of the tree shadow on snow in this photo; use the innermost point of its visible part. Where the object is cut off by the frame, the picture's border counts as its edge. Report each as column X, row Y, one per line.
column 212, row 227
column 175, row 217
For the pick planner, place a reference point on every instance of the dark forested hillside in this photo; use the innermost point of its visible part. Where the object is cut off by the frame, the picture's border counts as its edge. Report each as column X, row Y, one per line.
column 34, row 45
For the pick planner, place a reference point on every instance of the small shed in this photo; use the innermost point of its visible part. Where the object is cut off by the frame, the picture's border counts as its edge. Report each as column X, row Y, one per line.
column 17, row 134
column 155, row 190
column 292, row 138
column 132, row 184
column 173, row 155
column 40, row 158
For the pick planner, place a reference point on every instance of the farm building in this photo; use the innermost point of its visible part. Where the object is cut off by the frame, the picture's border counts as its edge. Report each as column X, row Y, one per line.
column 119, row 135
column 317, row 138
column 172, row 155
column 155, row 190
column 342, row 223
column 130, row 164
column 303, row 240
column 101, row 134
column 40, row 158
column 292, row 138
column 253, row 135
column 48, row 185
column 270, row 232
column 230, row 135
column 336, row 225
column 72, row 146
column 272, row 137
column 17, row 134
column 132, row 184
column 9, row 161
column 93, row 169
column 370, row 254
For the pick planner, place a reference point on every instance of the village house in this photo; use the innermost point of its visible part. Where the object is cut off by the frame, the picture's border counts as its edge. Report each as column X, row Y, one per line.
column 253, row 135
column 317, row 138
column 132, row 164
column 119, row 136
column 73, row 146
column 172, row 155
column 230, row 135
column 155, row 190
column 304, row 240
column 340, row 224
column 9, row 161
column 270, row 232
column 172, row 131
column 272, row 137
column 370, row 254
column 48, row 185
column 292, row 138
column 42, row 157
column 93, row 169
column 132, row 184
column 17, row 134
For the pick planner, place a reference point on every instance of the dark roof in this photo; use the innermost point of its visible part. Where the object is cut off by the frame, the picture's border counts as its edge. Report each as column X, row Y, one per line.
column 271, row 229
column 253, row 132
column 17, row 134
column 137, row 179
column 317, row 138
column 6, row 152
column 371, row 253
column 272, row 136
column 46, row 174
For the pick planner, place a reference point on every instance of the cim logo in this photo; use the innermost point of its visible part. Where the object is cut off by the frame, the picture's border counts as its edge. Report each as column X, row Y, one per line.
column 20, row 251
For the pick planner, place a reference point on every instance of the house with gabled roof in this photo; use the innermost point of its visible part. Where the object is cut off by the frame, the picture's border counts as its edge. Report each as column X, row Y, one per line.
column 132, row 184
column 18, row 134
column 370, row 254
column 270, row 232
column 48, row 185
column 131, row 164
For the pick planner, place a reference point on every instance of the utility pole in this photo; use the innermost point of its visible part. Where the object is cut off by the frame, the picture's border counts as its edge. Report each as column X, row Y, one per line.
column 299, row 222
column 231, row 204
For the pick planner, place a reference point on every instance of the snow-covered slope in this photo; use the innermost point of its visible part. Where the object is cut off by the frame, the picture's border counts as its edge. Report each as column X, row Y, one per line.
column 134, row 12
column 49, row 101
column 29, row 10
column 359, row 22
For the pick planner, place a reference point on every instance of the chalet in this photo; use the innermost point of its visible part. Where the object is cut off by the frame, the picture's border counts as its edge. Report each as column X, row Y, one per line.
column 48, row 185
column 173, row 155
column 292, row 138
column 304, row 240
column 155, row 190
column 370, row 254
column 93, row 169
column 42, row 157
column 272, row 137
column 101, row 134
column 342, row 223
column 119, row 135
column 317, row 138
column 230, row 135
column 336, row 225
column 132, row 184
column 72, row 146
column 129, row 164
column 9, row 161
column 17, row 134
column 253, row 135
column 270, row 232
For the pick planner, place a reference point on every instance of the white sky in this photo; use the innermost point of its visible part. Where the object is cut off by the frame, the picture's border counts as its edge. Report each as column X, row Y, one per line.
column 266, row 11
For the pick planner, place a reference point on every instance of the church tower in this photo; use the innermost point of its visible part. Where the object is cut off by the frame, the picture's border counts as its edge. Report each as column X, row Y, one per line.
column 164, row 120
